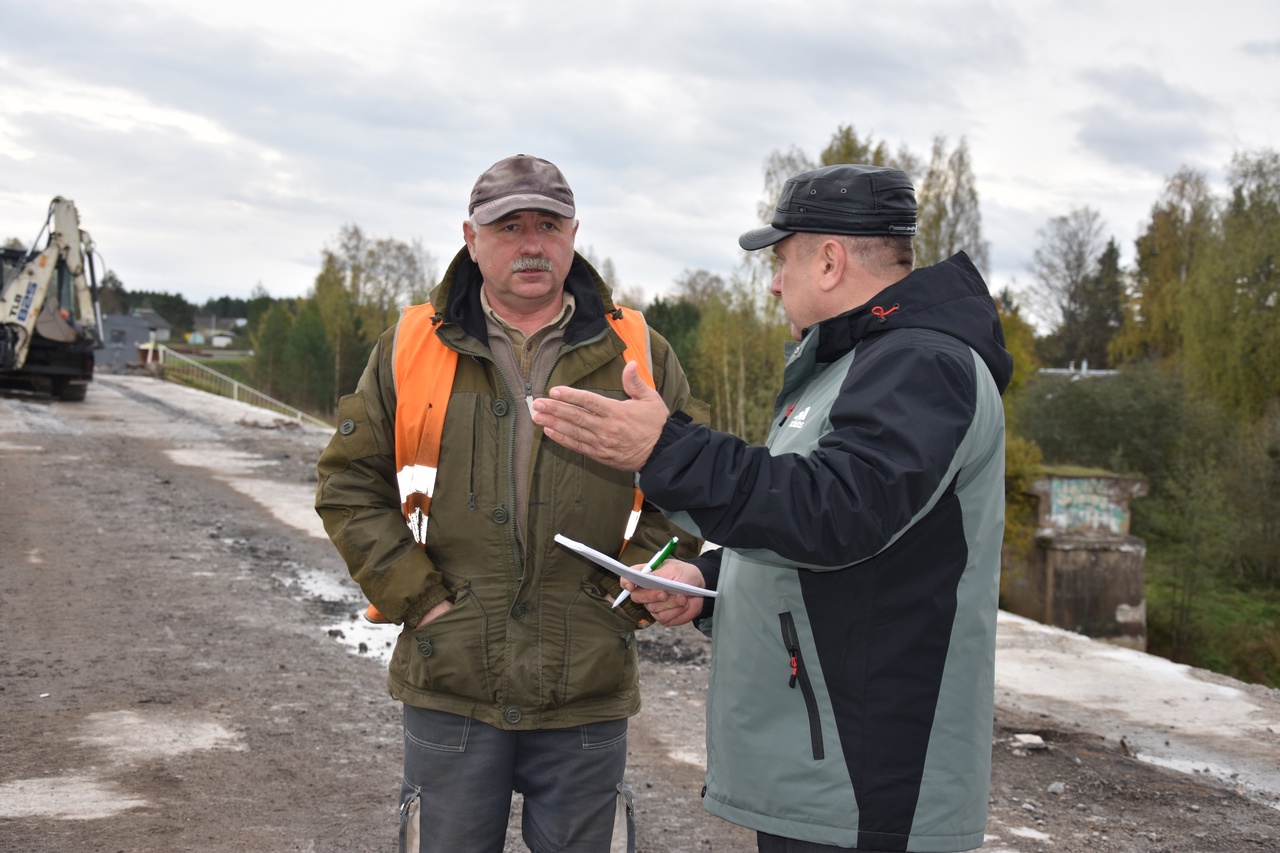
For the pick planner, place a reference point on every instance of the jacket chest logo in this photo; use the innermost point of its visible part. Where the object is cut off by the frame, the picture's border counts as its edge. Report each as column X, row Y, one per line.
column 797, row 422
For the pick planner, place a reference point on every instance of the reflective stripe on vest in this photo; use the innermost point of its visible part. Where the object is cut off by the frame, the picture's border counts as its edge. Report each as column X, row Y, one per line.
column 423, row 363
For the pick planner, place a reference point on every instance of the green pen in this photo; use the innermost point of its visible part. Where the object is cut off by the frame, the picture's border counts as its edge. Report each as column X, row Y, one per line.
column 653, row 563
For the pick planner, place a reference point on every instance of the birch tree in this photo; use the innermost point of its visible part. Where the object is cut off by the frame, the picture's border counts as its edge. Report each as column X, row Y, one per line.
column 950, row 220
column 1065, row 268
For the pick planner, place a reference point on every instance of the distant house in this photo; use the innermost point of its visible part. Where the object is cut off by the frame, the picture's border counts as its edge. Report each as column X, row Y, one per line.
column 162, row 326
column 217, row 332
column 211, row 325
column 123, row 335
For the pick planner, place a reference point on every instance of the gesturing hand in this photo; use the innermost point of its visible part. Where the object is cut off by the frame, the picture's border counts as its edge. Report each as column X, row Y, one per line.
column 617, row 433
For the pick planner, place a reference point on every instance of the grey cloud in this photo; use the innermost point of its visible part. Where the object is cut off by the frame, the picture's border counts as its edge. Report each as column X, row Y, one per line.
column 1160, row 144
column 344, row 118
column 1144, row 89
column 1264, row 49
column 905, row 53
column 906, row 57
column 782, row 78
column 395, row 145
column 308, row 100
column 1143, row 121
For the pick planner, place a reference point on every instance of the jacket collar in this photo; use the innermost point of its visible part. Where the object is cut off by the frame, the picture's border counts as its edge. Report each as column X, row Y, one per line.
column 948, row 297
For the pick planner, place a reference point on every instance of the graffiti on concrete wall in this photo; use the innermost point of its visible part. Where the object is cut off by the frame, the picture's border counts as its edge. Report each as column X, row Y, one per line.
column 1086, row 504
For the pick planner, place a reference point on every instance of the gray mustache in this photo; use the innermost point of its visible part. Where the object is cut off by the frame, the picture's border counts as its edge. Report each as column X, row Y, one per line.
column 531, row 263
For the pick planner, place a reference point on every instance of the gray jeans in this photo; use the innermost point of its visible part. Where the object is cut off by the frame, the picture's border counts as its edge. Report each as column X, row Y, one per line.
column 459, row 775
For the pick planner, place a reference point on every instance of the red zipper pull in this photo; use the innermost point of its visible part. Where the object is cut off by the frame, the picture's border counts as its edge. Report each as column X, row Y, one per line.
column 881, row 313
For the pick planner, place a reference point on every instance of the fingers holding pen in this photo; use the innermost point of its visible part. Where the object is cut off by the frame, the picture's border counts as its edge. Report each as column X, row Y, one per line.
column 670, row 608
column 676, row 610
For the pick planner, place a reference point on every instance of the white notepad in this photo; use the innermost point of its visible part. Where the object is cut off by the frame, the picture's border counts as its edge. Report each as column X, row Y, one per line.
column 636, row 576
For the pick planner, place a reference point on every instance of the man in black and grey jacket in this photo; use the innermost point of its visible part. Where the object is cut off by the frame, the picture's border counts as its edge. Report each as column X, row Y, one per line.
column 851, row 693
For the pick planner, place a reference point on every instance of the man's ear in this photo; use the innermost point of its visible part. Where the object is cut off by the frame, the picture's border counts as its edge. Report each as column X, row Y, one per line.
column 469, row 235
column 831, row 261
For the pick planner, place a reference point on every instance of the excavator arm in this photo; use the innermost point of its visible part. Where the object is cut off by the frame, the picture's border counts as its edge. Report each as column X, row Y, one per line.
column 51, row 303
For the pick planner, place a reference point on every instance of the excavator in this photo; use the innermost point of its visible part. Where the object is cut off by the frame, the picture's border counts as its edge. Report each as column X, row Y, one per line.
column 50, row 322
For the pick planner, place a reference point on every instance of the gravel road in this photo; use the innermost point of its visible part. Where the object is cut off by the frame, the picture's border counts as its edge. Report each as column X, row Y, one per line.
column 182, row 669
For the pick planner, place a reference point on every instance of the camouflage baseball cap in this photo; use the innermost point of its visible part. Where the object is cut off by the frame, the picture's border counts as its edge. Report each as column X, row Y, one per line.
column 520, row 183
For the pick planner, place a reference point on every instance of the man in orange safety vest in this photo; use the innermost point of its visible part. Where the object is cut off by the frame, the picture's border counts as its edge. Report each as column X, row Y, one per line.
column 444, row 499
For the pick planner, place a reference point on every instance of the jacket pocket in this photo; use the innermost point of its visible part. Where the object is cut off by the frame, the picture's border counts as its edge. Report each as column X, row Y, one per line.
column 450, row 654
column 599, row 658
column 800, row 677
column 355, row 429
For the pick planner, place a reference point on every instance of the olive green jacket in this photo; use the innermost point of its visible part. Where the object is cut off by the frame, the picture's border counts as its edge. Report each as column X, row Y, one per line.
column 531, row 641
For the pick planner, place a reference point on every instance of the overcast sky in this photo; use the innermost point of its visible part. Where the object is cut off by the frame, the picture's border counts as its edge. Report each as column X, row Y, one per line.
column 214, row 146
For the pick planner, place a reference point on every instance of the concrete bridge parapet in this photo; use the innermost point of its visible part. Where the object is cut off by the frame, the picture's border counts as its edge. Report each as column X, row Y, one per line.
column 1086, row 571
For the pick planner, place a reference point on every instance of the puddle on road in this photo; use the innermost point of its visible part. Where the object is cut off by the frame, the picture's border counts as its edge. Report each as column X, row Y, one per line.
column 342, row 598
column 315, row 584
column 293, row 505
column 365, row 638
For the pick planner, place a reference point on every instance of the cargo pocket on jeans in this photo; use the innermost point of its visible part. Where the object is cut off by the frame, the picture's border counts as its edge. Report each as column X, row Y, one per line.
column 410, row 835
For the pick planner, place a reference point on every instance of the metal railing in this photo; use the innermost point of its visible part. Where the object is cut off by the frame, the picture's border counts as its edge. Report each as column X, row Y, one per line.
column 177, row 367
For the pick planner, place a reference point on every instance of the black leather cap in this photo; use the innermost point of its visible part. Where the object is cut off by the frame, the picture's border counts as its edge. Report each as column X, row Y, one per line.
column 841, row 199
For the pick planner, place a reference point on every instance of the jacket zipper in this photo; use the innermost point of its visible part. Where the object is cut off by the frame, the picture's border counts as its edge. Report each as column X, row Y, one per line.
column 475, row 449
column 511, row 448
column 800, row 675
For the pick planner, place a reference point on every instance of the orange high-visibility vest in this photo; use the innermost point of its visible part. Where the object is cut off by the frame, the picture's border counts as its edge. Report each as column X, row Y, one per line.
column 423, row 363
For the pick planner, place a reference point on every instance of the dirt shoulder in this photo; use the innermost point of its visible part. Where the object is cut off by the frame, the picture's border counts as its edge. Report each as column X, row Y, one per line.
column 169, row 681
